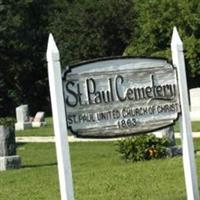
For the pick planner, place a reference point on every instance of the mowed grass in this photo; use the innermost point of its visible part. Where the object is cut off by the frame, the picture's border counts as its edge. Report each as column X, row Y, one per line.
column 98, row 174
column 195, row 126
column 42, row 131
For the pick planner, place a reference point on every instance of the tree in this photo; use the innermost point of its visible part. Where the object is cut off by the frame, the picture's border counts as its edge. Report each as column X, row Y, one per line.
column 86, row 29
column 23, row 40
column 83, row 29
column 155, row 22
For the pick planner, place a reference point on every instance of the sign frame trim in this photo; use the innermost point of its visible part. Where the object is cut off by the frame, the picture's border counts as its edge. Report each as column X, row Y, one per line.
column 69, row 69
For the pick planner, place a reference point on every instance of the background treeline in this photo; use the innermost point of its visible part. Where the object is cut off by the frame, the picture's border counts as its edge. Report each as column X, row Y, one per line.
column 85, row 29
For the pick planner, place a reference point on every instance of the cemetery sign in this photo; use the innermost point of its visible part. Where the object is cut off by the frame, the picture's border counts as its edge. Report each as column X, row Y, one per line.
column 120, row 96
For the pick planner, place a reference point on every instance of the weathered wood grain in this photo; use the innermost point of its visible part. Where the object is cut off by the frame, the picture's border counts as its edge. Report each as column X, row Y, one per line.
column 140, row 95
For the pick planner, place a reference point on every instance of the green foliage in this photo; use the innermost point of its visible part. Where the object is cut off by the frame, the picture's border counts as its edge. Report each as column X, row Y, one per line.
column 86, row 29
column 7, row 121
column 23, row 40
column 83, row 29
column 155, row 21
column 142, row 147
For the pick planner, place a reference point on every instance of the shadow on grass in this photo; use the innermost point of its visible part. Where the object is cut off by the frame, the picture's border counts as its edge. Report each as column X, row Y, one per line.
column 19, row 144
column 39, row 165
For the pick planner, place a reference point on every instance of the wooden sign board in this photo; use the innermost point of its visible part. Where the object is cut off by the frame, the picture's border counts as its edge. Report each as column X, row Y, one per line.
column 120, row 96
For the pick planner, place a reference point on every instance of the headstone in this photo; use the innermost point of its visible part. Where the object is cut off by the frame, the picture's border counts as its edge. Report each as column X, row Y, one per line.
column 39, row 120
column 174, row 151
column 168, row 133
column 195, row 104
column 10, row 162
column 22, row 115
column 8, row 157
column 7, row 142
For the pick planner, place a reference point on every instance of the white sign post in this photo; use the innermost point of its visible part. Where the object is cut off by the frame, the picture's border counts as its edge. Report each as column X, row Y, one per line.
column 185, row 122
column 59, row 121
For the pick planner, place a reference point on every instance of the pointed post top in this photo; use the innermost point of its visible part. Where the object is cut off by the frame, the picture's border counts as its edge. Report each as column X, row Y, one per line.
column 176, row 42
column 52, row 50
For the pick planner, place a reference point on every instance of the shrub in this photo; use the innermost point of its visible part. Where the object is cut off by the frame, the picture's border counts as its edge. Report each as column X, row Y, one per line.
column 142, row 147
column 7, row 121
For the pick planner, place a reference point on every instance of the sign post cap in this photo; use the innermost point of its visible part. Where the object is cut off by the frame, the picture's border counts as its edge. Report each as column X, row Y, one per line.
column 176, row 40
column 52, row 50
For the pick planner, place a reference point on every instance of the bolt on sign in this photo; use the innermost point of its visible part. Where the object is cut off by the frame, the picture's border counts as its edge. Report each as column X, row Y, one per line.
column 120, row 96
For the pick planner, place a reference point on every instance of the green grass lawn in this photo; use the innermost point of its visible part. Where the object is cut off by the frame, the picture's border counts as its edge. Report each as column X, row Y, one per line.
column 195, row 127
column 98, row 174
column 42, row 131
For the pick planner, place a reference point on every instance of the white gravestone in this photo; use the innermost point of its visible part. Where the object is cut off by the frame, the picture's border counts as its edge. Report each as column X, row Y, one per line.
column 167, row 133
column 22, row 115
column 39, row 120
column 195, row 104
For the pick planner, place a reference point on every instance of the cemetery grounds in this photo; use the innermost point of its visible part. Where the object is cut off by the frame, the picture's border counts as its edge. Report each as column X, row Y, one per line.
column 98, row 172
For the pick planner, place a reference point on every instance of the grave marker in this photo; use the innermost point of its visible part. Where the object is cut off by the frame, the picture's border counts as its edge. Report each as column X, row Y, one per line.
column 167, row 133
column 195, row 104
column 39, row 120
column 8, row 157
column 22, row 116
